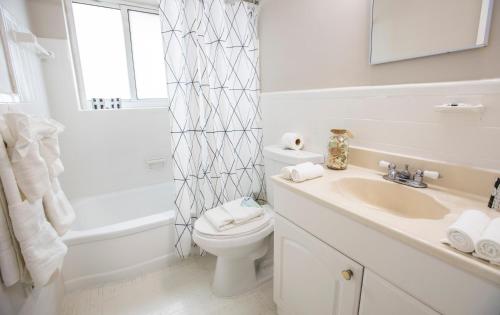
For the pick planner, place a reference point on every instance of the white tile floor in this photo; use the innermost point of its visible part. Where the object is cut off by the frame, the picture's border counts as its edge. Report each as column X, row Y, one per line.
column 177, row 290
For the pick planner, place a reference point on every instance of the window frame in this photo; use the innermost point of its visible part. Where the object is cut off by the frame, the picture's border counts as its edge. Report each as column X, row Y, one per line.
column 124, row 7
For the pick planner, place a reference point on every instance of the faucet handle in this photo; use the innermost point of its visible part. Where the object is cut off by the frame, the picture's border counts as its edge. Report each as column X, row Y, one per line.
column 385, row 164
column 431, row 174
column 419, row 175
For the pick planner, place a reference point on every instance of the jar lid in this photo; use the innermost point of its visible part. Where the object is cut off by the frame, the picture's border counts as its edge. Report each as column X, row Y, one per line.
column 342, row 132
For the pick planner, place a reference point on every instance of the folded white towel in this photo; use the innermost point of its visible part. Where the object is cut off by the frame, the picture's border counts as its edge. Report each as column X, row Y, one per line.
column 243, row 209
column 286, row 172
column 488, row 245
column 43, row 250
column 307, row 172
column 58, row 209
column 466, row 231
column 30, row 169
column 9, row 265
column 219, row 218
column 47, row 132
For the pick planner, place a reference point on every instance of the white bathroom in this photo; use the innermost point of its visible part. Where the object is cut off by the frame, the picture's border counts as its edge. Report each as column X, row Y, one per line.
column 254, row 157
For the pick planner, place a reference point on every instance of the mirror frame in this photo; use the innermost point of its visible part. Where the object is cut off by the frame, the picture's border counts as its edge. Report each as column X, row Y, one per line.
column 483, row 29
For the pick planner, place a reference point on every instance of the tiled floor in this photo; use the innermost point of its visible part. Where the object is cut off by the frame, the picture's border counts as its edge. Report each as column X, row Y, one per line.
column 181, row 289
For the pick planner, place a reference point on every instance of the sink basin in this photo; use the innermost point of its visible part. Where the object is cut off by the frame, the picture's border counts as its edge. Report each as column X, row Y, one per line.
column 391, row 197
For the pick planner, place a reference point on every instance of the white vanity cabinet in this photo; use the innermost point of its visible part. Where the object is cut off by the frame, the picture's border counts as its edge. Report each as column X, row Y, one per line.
column 314, row 244
column 310, row 276
column 379, row 297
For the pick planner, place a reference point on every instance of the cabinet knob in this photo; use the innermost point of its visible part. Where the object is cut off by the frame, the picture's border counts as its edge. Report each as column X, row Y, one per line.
column 347, row 274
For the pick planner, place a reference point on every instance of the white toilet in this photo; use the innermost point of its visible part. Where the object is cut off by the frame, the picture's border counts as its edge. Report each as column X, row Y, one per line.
column 240, row 250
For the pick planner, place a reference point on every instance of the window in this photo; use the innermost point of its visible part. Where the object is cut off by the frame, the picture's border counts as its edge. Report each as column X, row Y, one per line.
column 118, row 53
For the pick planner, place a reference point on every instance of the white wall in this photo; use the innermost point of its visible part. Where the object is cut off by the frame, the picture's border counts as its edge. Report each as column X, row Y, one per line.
column 324, row 44
column 399, row 119
column 28, row 66
column 103, row 151
column 46, row 18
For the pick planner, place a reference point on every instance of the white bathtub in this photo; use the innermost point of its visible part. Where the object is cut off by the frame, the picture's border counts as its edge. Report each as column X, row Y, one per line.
column 120, row 234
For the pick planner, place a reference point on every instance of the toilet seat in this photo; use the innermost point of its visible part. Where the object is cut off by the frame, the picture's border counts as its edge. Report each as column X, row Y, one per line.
column 205, row 234
column 204, row 228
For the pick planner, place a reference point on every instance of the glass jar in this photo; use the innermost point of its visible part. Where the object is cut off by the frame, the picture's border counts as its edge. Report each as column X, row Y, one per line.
column 338, row 149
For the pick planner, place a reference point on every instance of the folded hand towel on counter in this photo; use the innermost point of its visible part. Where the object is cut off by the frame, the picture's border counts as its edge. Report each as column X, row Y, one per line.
column 243, row 209
column 488, row 245
column 219, row 218
column 466, row 231
column 286, row 172
column 308, row 172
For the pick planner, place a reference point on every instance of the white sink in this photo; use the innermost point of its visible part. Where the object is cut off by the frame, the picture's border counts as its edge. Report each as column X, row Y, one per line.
column 390, row 197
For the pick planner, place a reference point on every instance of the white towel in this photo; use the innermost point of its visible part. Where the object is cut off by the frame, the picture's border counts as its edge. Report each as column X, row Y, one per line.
column 47, row 132
column 58, row 209
column 488, row 245
column 10, row 268
column 11, row 264
column 243, row 209
column 466, row 231
column 286, row 172
column 219, row 218
column 307, row 172
column 42, row 249
column 29, row 167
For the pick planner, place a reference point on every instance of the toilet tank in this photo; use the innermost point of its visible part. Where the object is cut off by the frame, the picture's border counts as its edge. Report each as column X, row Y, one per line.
column 276, row 157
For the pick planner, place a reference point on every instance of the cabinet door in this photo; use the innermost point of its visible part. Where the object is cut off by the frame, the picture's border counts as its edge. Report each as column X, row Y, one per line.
column 308, row 275
column 379, row 297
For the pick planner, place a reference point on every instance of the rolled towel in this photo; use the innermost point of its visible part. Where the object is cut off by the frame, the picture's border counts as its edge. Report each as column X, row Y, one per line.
column 243, row 209
column 286, row 172
column 219, row 218
column 292, row 140
column 307, row 172
column 488, row 245
column 466, row 231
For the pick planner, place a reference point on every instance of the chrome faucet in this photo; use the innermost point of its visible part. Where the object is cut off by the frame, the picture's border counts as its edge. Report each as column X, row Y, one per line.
column 405, row 177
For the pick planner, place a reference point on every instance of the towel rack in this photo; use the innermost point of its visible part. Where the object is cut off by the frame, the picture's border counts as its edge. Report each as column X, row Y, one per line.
column 31, row 40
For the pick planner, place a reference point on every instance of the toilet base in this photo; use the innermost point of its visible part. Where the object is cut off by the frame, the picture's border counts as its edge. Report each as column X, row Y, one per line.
column 234, row 276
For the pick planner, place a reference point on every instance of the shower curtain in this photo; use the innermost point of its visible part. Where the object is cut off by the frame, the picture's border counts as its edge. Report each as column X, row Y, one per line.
column 212, row 62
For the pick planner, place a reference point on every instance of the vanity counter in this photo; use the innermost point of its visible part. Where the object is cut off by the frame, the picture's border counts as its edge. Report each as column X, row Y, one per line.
column 423, row 234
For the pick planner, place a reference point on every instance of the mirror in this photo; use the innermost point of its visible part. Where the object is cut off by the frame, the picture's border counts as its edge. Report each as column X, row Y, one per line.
column 406, row 29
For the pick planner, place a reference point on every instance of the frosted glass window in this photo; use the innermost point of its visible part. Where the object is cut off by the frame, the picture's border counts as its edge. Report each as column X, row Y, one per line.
column 147, row 49
column 101, row 45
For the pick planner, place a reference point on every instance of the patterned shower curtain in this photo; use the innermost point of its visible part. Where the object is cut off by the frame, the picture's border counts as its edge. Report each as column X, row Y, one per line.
column 212, row 62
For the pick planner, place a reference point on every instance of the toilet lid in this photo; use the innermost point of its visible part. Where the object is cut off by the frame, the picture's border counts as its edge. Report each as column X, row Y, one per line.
column 204, row 227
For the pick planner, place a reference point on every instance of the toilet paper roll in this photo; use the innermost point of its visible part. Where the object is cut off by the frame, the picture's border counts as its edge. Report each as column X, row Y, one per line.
column 291, row 140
